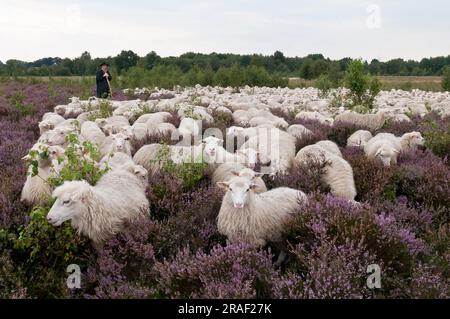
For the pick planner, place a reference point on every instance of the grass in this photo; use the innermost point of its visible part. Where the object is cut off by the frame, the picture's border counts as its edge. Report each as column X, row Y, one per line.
column 426, row 83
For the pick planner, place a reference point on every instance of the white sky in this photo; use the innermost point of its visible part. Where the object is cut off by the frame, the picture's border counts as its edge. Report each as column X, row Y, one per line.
column 382, row 29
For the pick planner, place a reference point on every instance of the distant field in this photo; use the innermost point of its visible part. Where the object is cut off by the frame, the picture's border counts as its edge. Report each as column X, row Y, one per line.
column 427, row 83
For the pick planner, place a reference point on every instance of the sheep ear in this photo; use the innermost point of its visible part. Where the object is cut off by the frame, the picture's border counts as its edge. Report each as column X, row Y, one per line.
column 254, row 186
column 257, row 174
column 378, row 153
column 396, row 151
column 223, row 185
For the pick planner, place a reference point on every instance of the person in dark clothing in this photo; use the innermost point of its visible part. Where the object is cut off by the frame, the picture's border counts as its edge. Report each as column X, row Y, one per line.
column 102, row 77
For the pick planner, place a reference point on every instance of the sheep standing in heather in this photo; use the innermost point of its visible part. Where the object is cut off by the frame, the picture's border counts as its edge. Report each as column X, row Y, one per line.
column 330, row 146
column 359, row 138
column 99, row 212
column 387, row 146
column 256, row 218
column 49, row 122
column 298, row 131
column 372, row 122
column 278, row 146
column 37, row 190
column 337, row 174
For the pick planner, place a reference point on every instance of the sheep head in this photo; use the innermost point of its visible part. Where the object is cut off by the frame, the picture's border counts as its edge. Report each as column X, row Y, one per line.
column 238, row 188
column 387, row 155
column 413, row 140
column 72, row 200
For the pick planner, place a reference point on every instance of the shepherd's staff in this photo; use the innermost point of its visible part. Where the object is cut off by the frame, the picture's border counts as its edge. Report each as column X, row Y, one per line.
column 109, row 85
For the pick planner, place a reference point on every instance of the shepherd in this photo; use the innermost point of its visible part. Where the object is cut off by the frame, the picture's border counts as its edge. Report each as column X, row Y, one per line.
column 102, row 78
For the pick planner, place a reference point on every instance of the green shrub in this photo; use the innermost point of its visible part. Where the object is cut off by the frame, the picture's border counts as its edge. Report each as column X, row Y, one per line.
column 324, row 84
column 17, row 99
column 189, row 173
column 363, row 87
column 437, row 139
column 446, row 79
column 103, row 110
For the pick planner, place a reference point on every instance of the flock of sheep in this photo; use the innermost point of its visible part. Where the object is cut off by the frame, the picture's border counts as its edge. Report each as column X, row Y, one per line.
column 249, row 211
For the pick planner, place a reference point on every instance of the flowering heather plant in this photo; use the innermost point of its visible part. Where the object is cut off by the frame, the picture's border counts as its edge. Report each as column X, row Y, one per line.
column 124, row 267
column 233, row 271
column 372, row 179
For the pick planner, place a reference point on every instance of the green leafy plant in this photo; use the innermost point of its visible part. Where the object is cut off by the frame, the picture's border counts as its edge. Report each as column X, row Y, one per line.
column 446, row 79
column 103, row 110
column 17, row 99
column 362, row 86
column 437, row 139
column 191, row 172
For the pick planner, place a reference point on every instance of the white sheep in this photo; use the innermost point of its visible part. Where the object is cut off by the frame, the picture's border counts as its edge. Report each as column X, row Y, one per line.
column 189, row 127
column 113, row 124
column 99, row 212
column 359, row 138
column 314, row 116
column 37, row 190
column 92, row 133
column 372, row 122
column 256, row 218
column 215, row 154
column 330, row 146
column 275, row 145
column 387, row 146
column 163, row 128
column 298, row 131
column 154, row 118
column 49, row 121
column 337, row 174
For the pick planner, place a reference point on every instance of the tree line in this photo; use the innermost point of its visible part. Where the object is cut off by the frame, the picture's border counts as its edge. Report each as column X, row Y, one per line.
column 309, row 67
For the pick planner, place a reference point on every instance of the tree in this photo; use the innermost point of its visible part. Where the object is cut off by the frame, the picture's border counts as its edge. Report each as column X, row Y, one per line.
column 446, row 78
column 125, row 60
column 150, row 60
column 362, row 86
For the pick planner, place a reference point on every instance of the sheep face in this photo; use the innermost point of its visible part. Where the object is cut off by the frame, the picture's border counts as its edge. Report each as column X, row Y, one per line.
column 121, row 143
column 71, row 202
column 60, row 109
column 238, row 189
column 45, row 126
column 211, row 144
column 387, row 155
column 414, row 140
column 58, row 136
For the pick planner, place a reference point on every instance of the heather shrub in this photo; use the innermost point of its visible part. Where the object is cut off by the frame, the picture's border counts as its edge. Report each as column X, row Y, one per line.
column 340, row 132
column 378, row 235
column 333, row 271
column 193, row 225
column 233, row 271
column 124, row 267
column 305, row 177
column 372, row 179
column 423, row 178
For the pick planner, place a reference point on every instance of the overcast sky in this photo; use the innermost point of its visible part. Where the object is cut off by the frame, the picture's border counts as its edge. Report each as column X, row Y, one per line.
column 382, row 29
